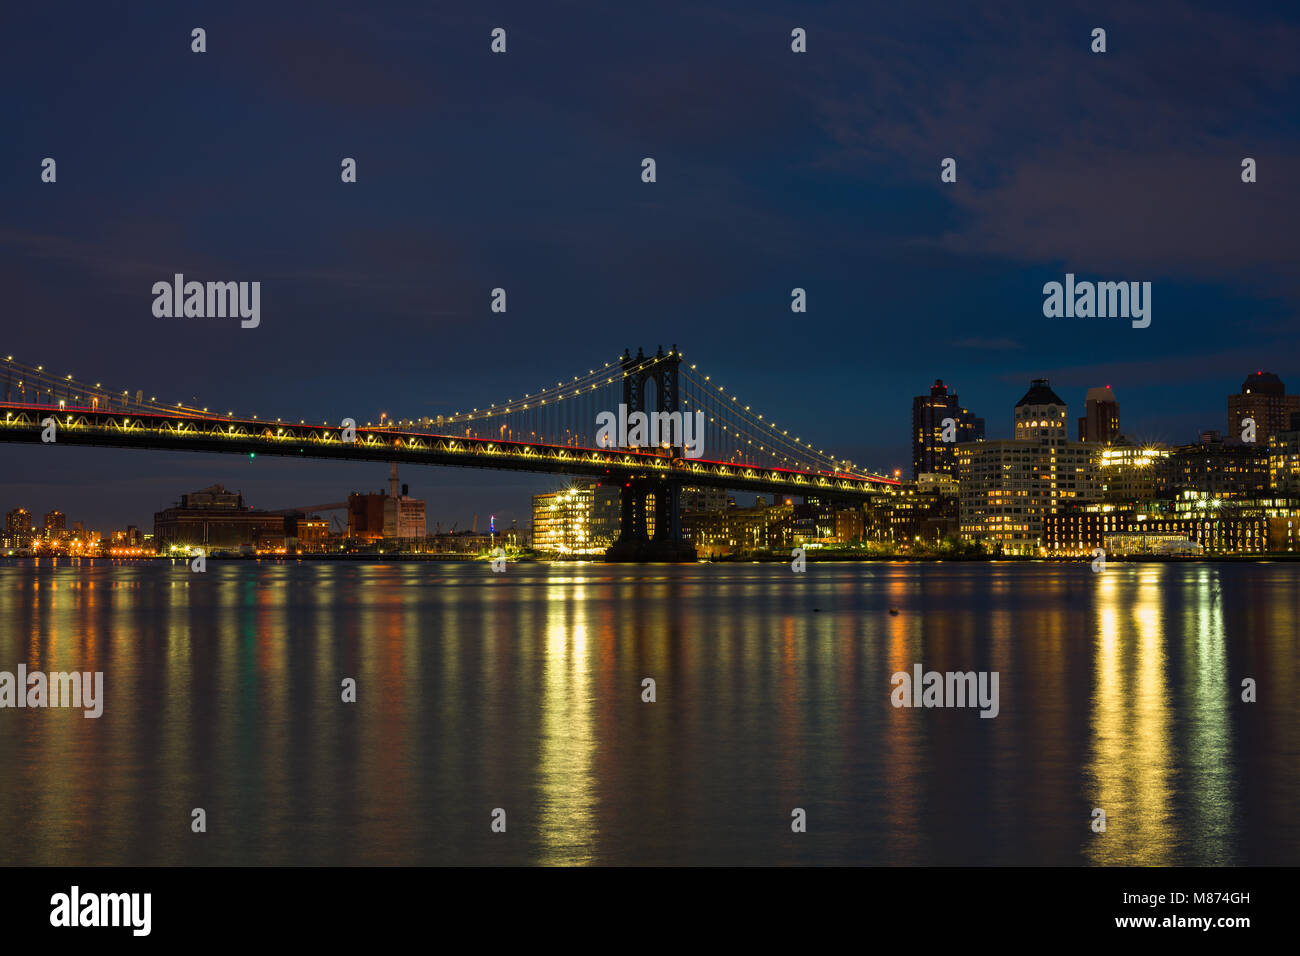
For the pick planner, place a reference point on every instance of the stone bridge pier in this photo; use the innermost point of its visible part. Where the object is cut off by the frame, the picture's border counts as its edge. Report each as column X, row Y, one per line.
column 651, row 502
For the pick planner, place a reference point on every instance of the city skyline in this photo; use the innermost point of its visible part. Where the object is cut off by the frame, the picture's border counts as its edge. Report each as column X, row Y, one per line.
column 509, row 513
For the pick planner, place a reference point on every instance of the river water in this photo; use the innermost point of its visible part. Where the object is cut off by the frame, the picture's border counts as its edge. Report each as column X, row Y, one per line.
column 523, row 692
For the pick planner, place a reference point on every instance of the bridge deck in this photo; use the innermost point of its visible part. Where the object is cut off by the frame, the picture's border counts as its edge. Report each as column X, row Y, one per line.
column 184, row 432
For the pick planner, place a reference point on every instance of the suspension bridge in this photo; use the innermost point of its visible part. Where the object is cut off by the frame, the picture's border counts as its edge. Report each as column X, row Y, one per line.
column 553, row 430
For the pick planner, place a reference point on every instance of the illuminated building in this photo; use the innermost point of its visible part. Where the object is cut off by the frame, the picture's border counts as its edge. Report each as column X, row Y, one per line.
column 741, row 530
column 18, row 528
column 404, row 518
column 907, row 513
column 376, row 516
column 1077, row 531
column 1218, row 525
column 56, row 523
column 1146, row 542
column 1263, row 398
column 581, row 519
column 1284, row 462
column 1268, row 505
column 1008, row 488
column 1040, row 415
column 815, row 521
column 1132, row 472
column 1216, row 468
column 940, row 483
column 1284, row 534
column 213, row 519
column 849, row 526
column 305, row 535
column 930, row 453
column 1100, row 421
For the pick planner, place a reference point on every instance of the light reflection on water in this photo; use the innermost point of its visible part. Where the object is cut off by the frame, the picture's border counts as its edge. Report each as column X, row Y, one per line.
column 522, row 691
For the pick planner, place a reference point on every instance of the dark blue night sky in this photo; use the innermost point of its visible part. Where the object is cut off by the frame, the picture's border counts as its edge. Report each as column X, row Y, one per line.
column 775, row 170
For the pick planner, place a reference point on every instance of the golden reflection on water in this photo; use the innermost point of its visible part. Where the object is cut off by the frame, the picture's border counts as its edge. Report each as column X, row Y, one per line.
column 1132, row 769
column 566, row 781
column 1129, row 767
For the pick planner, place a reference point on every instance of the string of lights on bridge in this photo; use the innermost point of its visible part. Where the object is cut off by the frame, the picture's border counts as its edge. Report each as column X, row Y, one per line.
column 733, row 422
column 612, row 374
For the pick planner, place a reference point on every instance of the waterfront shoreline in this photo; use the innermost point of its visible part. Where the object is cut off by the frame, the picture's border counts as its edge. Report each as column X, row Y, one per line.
column 811, row 558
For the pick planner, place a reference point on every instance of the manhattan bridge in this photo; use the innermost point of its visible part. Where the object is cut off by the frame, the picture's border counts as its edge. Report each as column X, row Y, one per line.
column 553, row 430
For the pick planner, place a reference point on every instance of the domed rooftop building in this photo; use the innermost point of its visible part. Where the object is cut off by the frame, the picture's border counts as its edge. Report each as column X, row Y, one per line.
column 1040, row 415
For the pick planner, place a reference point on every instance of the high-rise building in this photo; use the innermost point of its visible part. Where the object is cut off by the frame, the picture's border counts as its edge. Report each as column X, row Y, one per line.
column 1009, row 487
column 930, row 453
column 56, row 522
column 1100, row 421
column 1263, row 399
column 18, row 528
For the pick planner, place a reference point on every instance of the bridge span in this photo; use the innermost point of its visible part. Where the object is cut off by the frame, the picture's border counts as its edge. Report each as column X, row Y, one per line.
column 502, row 437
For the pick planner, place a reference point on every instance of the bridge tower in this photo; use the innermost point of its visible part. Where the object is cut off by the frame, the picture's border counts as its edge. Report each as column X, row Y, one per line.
column 642, row 493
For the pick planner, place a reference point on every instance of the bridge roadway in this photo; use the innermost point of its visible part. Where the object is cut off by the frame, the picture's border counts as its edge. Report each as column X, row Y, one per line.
column 183, row 432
